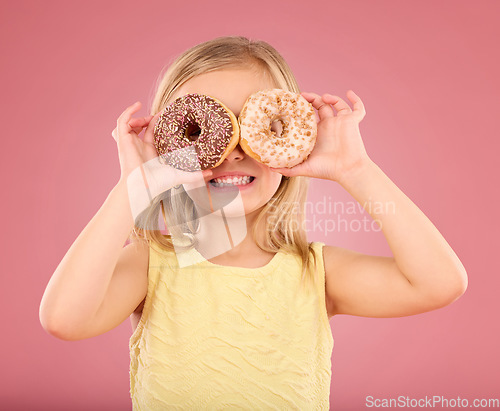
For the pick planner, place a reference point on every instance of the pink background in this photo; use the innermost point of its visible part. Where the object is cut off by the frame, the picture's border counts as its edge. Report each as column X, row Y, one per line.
column 428, row 73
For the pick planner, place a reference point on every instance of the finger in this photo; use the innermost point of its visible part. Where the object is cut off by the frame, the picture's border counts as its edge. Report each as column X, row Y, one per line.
column 338, row 104
column 123, row 120
column 324, row 109
column 200, row 176
column 136, row 130
column 357, row 104
column 139, row 122
column 286, row 172
column 148, row 134
column 207, row 173
column 114, row 134
column 197, row 178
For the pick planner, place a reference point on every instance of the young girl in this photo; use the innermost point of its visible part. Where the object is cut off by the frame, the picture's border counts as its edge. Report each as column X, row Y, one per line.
column 245, row 326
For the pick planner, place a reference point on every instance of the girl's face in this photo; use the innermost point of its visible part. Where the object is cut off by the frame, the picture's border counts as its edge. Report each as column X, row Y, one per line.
column 232, row 87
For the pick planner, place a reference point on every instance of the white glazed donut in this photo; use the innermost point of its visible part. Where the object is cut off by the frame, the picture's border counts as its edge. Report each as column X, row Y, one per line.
column 265, row 110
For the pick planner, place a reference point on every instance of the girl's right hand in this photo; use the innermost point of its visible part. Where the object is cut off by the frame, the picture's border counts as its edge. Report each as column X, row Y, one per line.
column 141, row 169
column 134, row 152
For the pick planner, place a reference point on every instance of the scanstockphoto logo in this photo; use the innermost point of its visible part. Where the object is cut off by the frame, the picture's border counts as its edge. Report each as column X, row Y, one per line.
column 431, row 401
column 215, row 214
column 328, row 215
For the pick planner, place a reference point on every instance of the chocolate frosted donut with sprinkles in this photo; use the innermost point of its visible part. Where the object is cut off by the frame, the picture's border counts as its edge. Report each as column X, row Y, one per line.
column 278, row 128
column 195, row 132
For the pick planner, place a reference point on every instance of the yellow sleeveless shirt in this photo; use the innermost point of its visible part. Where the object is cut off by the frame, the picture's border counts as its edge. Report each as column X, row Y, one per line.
column 217, row 337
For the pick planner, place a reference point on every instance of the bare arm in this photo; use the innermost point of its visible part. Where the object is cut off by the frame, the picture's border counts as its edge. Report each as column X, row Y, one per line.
column 424, row 273
column 99, row 283
column 78, row 286
column 88, row 273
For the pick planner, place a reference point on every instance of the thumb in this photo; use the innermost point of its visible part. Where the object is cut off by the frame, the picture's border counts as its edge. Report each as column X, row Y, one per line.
column 287, row 172
column 149, row 133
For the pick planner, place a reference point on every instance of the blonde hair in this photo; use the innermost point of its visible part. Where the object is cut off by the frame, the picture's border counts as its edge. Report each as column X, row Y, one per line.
column 283, row 217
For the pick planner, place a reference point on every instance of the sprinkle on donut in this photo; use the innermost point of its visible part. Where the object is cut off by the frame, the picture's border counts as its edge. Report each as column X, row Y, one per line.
column 195, row 132
column 286, row 110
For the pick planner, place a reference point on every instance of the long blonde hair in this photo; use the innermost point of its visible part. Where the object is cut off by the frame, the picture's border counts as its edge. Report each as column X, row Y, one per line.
column 283, row 217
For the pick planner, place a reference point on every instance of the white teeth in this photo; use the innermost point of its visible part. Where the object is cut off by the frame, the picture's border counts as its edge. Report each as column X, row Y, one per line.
column 231, row 181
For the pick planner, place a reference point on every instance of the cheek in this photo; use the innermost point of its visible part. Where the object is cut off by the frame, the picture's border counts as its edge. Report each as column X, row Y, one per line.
column 270, row 187
column 274, row 181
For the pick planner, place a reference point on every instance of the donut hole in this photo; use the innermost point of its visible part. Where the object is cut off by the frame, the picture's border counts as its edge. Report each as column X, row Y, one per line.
column 278, row 127
column 193, row 131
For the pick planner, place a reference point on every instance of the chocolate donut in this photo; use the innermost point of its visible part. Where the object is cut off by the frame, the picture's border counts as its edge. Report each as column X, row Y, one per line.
column 195, row 132
column 269, row 109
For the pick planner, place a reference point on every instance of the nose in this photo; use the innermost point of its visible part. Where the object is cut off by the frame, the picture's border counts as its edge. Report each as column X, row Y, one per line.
column 236, row 155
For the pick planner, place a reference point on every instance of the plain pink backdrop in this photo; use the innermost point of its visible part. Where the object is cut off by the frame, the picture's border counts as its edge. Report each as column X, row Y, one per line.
column 427, row 72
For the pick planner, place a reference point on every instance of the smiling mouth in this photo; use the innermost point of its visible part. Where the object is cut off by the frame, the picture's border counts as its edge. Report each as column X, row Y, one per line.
column 231, row 181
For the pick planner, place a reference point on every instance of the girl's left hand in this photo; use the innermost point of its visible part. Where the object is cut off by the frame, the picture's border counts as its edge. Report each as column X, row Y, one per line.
column 339, row 148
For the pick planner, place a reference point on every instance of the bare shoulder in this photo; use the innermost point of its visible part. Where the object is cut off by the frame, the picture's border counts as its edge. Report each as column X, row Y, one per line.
column 370, row 286
column 333, row 257
column 129, row 283
column 137, row 255
column 137, row 251
column 125, row 293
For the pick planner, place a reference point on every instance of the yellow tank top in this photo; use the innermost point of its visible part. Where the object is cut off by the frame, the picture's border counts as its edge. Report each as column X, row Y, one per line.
column 215, row 337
